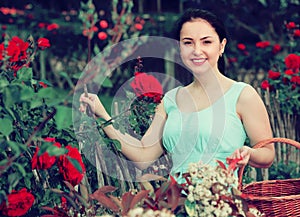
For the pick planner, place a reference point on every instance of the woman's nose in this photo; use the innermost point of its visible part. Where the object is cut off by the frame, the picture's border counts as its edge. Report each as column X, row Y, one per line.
column 197, row 48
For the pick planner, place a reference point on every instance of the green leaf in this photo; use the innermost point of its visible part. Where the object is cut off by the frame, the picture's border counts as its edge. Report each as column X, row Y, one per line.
column 96, row 49
column 76, row 75
column 107, row 83
column 190, row 208
column 3, row 196
column 25, row 74
column 75, row 163
column 13, row 179
column 44, row 148
column 117, row 144
column 35, row 103
column 20, row 168
column 17, row 147
column 3, row 162
column 27, row 93
column 11, row 95
column 63, row 117
column 64, row 74
column 3, row 83
column 27, row 183
column 47, row 93
column 6, row 126
column 56, row 151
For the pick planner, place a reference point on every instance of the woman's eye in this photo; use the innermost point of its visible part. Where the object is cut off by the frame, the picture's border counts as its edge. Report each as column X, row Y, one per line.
column 187, row 42
column 207, row 42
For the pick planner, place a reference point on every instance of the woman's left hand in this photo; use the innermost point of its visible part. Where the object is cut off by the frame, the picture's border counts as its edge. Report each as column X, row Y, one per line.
column 242, row 153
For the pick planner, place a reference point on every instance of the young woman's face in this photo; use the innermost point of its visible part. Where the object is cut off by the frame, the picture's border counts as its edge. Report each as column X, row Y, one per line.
column 200, row 46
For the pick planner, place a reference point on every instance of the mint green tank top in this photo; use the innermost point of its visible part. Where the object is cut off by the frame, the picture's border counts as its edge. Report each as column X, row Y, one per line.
column 209, row 134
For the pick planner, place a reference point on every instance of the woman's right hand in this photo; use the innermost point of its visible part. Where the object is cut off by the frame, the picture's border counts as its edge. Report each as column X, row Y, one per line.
column 93, row 101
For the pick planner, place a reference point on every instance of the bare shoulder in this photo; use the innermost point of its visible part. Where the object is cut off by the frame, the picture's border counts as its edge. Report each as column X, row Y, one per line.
column 160, row 110
column 249, row 95
column 249, row 101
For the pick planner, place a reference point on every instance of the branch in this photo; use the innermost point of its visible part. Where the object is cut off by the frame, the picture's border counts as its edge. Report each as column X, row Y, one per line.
column 249, row 28
column 40, row 127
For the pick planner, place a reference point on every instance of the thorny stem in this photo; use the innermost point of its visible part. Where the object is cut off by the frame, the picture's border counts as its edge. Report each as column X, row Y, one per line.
column 88, row 109
column 40, row 126
column 106, row 123
column 37, row 129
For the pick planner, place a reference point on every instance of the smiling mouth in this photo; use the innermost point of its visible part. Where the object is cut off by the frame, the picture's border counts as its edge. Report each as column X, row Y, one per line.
column 199, row 61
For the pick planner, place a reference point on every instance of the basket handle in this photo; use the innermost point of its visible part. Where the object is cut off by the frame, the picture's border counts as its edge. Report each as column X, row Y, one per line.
column 264, row 143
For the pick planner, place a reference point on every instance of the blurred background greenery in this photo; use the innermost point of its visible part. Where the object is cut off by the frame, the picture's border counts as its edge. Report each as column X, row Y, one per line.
column 272, row 23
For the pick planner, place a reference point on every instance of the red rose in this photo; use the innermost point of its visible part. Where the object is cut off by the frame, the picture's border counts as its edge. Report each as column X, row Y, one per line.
column 43, row 43
column 102, row 35
column 138, row 26
column 16, row 49
column 147, row 85
column 262, row 44
column 273, row 75
column 289, row 72
column 296, row 79
column 44, row 161
column 18, row 203
column 85, row 32
column 265, row 84
column 42, row 25
column 276, row 48
column 290, row 25
column 52, row 26
column 297, row 32
column 67, row 169
column 241, row 46
column 94, row 29
column 103, row 24
column 232, row 59
column 2, row 49
column 43, row 84
column 292, row 61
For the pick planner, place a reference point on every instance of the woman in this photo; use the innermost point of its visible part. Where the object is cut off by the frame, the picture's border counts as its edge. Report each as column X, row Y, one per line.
column 206, row 120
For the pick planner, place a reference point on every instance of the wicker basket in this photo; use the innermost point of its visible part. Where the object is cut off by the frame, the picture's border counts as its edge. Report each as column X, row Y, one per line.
column 275, row 198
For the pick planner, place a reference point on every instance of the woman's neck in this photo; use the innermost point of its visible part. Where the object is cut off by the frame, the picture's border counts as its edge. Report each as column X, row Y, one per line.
column 208, row 80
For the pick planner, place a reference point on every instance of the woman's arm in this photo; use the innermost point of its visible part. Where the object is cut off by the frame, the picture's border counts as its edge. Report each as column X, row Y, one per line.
column 255, row 119
column 142, row 152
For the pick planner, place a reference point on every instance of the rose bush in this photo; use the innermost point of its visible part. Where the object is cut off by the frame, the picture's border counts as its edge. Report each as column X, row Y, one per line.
column 283, row 82
column 272, row 66
column 39, row 151
column 32, row 115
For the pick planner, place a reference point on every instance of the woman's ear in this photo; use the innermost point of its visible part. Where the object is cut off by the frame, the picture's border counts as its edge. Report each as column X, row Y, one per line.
column 222, row 46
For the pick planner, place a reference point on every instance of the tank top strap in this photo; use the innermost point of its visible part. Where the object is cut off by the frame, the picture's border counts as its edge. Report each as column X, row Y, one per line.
column 170, row 99
column 235, row 93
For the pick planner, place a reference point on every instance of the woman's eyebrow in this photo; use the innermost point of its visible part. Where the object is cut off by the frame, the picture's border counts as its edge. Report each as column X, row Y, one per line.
column 206, row 37
column 203, row 38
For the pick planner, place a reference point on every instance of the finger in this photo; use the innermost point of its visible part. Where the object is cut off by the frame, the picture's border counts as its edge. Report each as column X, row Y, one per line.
column 84, row 95
column 86, row 100
column 82, row 107
column 237, row 153
column 244, row 153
